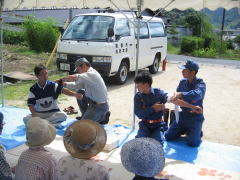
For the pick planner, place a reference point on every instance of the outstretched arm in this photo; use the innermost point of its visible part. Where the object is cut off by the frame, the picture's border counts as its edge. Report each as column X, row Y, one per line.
column 69, row 78
column 68, row 92
column 175, row 99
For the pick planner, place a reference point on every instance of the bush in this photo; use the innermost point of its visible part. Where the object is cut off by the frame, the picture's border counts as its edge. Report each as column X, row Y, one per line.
column 191, row 43
column 208, row 52
column 229, row 44
column 40, row 35
column 237, row 40
column 13, row 37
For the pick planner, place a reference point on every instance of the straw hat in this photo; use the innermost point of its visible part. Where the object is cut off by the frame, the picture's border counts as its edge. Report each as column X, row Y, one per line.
column 39, row 132
column 84, row 139
column 143, row 156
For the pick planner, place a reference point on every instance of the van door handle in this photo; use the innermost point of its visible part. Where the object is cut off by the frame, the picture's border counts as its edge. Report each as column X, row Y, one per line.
column 130, row 44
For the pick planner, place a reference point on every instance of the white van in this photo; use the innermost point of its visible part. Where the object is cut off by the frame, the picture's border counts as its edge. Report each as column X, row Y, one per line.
column 108, row 41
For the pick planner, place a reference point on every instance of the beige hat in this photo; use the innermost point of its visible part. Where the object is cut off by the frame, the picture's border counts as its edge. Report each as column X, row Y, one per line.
column 39, row 132
column 84, row 139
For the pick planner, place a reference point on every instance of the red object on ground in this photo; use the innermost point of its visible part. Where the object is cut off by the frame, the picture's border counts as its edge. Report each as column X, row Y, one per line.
column 164, row 63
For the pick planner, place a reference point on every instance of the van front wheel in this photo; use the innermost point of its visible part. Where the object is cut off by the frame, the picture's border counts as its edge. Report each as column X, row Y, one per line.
column 121, row 76
column 153, row 69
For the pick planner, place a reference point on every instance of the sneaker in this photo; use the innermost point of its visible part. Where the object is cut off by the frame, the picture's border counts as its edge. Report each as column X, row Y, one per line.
column 107, row 115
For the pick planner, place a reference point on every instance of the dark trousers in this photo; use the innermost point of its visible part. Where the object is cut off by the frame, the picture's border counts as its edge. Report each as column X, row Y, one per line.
column 91, row 110
column 150, row 130
column 189, row 124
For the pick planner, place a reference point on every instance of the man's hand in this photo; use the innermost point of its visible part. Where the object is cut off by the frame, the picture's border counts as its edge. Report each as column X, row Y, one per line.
column 176, row 96
column 79, row 96
column 158, row 107
column 197, row 110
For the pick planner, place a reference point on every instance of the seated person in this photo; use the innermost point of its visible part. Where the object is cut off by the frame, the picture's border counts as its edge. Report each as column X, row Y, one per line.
column 36, row 162
column 149, row 104
column 42, row 98
column 83, row 140
column 5, row 170
column 152, row 159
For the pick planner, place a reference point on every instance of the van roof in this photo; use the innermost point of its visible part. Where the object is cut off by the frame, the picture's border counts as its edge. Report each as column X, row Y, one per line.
column 120, row 15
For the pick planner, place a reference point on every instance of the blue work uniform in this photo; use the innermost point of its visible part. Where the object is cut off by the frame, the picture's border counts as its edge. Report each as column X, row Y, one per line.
column 189, row 123
column 143, row 110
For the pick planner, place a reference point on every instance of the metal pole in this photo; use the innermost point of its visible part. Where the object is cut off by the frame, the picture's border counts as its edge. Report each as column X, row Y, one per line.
column 139, row 4
column 1, row 51
column 223, row 19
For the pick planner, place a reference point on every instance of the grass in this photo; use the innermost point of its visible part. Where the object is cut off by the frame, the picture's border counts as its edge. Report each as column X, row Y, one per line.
column 172, row 49
column 231, row 54
column 23, row 50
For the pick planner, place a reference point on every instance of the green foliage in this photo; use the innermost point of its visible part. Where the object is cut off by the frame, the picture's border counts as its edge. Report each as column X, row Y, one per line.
column 40, row 35
column 172, row 30
column 193, row 21
column 207, row 52
column 237, row 40
column 171, row 49
column 191, row 43
column 197, row 22
column 229, row 44
column 13, row 37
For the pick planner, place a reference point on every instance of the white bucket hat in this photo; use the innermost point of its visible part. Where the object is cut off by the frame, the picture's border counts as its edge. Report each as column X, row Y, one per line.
column 39, row 132
column 143, row 156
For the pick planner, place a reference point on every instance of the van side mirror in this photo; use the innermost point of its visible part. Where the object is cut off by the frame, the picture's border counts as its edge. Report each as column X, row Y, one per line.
column 110, row 32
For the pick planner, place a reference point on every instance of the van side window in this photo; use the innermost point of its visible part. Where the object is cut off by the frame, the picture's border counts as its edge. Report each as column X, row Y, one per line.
column 156, row 29
column 144, row 33
column 122, row 27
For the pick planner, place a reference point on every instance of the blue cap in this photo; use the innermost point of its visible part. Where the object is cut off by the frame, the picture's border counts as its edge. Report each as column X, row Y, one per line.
column 191, row 65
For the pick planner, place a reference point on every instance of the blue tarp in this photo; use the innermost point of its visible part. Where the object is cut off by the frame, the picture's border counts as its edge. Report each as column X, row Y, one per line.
column 220, row 156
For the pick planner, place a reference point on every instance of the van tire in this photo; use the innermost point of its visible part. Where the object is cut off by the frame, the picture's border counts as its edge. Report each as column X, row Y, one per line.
column 153, row 69
column 122, row 75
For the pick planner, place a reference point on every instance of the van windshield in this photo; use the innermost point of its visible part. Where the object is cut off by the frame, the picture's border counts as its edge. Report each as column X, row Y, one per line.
column 89, row 28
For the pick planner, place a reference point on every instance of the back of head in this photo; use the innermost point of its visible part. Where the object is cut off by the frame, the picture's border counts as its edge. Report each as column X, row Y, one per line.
column 39, row 132
column 144, row 77
column 39, row 68
column 143, row 156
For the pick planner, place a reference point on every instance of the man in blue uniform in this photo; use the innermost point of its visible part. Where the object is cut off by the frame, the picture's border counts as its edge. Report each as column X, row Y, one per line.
column 192, row 90
column 149, row 105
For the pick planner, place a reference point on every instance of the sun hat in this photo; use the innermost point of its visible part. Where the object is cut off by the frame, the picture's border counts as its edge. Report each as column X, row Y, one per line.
column 143, row 156
column 39, row 132
column 80, row 62
column 191, row 65
column 84, row 139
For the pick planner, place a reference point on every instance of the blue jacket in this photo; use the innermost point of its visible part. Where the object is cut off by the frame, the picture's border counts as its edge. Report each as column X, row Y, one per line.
column 143, row 104
column 192, row 93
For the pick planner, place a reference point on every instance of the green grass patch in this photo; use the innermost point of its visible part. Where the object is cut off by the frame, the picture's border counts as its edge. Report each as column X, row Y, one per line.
column 173, row 49
column 23, row 50
column 230, row 54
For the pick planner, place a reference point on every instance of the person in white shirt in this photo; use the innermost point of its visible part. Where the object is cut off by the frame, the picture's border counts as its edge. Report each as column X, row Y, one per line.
column 87, row 81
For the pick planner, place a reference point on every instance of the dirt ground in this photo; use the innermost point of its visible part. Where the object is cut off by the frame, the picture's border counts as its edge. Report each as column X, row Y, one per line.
column 221, row 104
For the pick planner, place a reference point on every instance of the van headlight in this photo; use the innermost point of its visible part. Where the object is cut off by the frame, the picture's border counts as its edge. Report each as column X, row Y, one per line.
column 61, row 56
column 98, row 59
